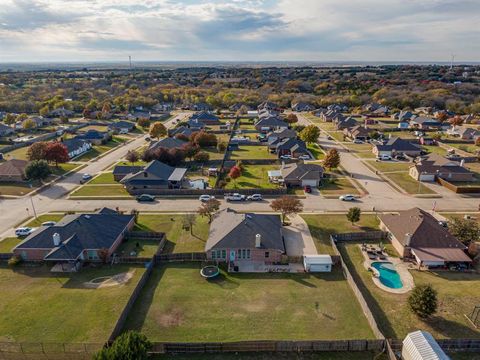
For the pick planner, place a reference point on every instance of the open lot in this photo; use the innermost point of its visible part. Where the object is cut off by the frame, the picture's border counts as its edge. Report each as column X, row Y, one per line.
column 253, row 176
column 177, row 304
column 336, row 186
column 100, row 190
column 252, row 153
column 178, row 239
column 38, row 306
column 103, row 178
column 458, row 293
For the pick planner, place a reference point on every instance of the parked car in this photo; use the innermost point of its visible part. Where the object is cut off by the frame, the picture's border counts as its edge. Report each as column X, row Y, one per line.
column 286, row 157
column 235, row 197
column 205, row 198
column 358, row 141
column 329, row 137
column 24, row 231
column 384, row 157
column 347, row 197
column 85, row 178
column 307, row 189
column 400, row 157
column 304, row 157
column 255, row 197
column 145, row 198
column 49, row 223
column 453, row 156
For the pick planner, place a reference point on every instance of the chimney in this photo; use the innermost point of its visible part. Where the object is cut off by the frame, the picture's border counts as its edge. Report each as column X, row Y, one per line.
column 408, row 239
column 56, row 239
column 462, row 162
column 258, row 241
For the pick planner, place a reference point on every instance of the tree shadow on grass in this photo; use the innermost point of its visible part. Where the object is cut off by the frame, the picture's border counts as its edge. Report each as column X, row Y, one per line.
column 451, row 329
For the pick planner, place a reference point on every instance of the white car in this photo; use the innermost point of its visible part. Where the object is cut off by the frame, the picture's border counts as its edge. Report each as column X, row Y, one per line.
column 286, row 157
column 235, row 197
column 255, row 197
column 384, row 157
column 347, row 197
column 49, row 223
column 205, row 198
column 24, row 231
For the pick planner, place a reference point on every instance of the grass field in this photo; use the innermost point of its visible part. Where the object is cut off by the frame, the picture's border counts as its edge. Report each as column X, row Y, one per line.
column 104, row 178
column 389, row 166
column 322, row 226
column 178, row 239
column 337, row 186
column 253, row 176
column 40, row 307
column 409, row 184
column 100, row 190
column 177, row 304
column 214, row 153
column 457, row 295
column 98, row 150
column 252, row 153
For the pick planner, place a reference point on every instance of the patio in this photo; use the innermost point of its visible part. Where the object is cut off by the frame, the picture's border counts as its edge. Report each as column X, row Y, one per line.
column 246, row 266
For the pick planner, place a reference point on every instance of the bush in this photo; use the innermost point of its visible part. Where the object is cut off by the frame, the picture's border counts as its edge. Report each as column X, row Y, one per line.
column 14, row 260
column 423, row 301
column 129, row 345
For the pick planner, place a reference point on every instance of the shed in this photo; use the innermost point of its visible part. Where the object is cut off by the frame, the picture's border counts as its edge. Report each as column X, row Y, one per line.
column 317, row 263
column 420, row 345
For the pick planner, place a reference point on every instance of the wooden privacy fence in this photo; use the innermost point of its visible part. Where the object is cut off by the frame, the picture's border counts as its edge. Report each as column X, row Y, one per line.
column 464, row 345
column 196, row 192
column 194, row 256
column 269, row 346
column 31, row 350
column 459, row 189
column 360, row 236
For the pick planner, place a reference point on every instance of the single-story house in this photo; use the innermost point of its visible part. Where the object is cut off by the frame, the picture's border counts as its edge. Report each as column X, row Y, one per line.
column 467, row 133
column 121, row 127
column 277, row 136
column 77, row 238
column 301, row 174
column 395, row 146
column 403, row 125
column 302, row 106
column 13, row 170
column 6, row 130
column 181, row 130
column 120, row 171
column 338, row 107
column 201, row 106
column 332, row 116
column 425, row 140
column 206, row 117
column 403, row 116
column 435, row 166
column 268, row 105
column 195, row 124
column 76, row 147
column 61, row 112
column 358, row 132
column 425, row 123
column 318, row 112
column 417, row 236
column 345, row 123
column 271, row 123
column 245, row 239
column 163, row 107
column 291, row 146
column 168, row 143
column 95, row 137
column 155, row 176
column 136, row 115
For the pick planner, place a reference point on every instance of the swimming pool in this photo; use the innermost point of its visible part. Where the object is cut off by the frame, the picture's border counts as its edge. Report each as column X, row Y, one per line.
column 388, row 275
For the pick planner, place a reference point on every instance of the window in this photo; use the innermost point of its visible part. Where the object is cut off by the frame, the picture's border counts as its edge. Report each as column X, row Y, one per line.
column 267, row 254
column 224, row 254
column 214, row 254
column 244, row 254
column 248, row 253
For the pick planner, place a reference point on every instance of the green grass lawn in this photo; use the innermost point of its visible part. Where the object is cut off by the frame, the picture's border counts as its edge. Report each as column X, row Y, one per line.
column 365, row 147
column 316, row 151
column 20, row 154
column 457, row 295
column 335, row 186
column 100, row 190
column 98, row 150
column 103, row 178
column 179, row 240
column 409, row 184
column 138, row 247
column 214, row 153
column 252, row 153
column 7, row 244
column 470, row 148
column 435, row 149
column 45, row 217
column 253, row 176
column 100, row 128
column 322, row 226
column 323, row 355
column 337, row 135
column 177, row 304
column 17, row 189
column 38, row 306
column 389, row 166
column 64, row 168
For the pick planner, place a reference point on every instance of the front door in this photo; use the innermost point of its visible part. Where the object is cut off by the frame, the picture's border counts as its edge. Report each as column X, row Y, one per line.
column 232, row 255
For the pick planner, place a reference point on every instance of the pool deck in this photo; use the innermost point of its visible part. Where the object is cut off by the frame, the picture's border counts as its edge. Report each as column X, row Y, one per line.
column 400, row 267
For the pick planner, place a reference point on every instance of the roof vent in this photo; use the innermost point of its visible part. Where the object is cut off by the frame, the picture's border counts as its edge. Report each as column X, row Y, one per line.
column 248, row 216
column 56, row 239
column 258, row 241
column 87, row 216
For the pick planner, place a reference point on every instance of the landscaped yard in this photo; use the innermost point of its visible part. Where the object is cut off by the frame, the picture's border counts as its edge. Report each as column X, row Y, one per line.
column 20, row 153
column 252, row 153
column 100, row 191
column 138, row 247
column 45, row 217
column 458, row 293
column 177, row 304
column 179, row 240
column 253, row 176
column 38, row 306
column 335, row 186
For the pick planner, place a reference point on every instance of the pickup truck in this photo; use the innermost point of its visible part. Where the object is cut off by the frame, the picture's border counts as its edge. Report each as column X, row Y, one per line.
column 235, row 197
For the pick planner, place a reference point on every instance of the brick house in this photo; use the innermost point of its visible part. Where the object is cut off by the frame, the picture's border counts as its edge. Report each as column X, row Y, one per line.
column 13, row 170
column 435, row 166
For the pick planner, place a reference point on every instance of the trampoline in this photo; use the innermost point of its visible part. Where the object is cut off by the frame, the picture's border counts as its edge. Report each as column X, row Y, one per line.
column 210, row 271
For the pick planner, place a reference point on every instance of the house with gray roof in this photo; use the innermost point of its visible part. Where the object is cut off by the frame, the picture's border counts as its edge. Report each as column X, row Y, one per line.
column 120, row 171
column 154, row 176
column 425, row 123
column 245, row 239
column 181, row 130
column 395, row 146
column 302, row 106
column 121, row 126
column 76, row 147
column 277, row 136
column 434, row 166
column 77, row 238
column 206, row 117
column 270, row 123
column 168, row 143
column 301, row 174
column 95, row 137
column 345, row 123
column 291, row 146
column 13, row 170
column 6, row 130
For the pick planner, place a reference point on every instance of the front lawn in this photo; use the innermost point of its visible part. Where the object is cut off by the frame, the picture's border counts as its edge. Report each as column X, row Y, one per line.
column 179, row 240
column 253, row 177
column 435, row 149
column 252, row 153
column 63, row 168
column 100, row 190
column 17, row 189
column 316, row 151
column 389, row 166
column 19, row 154
column 98, row 150
column 409, row 184
column 335, row 186
column 177, row 304
column 7, row 244
column 458, row 293
column 38, row 306
column 45, row 217
column 103, row 178
column 213, row 153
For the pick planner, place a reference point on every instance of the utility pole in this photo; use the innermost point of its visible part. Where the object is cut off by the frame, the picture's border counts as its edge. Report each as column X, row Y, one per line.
column 130, row 61
column 33, row 207
column 453, row 60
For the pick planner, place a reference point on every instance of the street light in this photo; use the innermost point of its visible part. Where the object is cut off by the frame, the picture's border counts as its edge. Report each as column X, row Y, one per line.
column 33, row 207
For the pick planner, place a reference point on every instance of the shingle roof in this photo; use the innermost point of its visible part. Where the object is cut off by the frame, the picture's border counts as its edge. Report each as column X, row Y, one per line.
column 122, row 125
column 168, row 143
column 204, row 115
column 92, row 135
column 299, row 171
column 74, row 144
column 125, row 169
column 157, row 173
column 398, row 144
column 14, row 167
column 230, row 229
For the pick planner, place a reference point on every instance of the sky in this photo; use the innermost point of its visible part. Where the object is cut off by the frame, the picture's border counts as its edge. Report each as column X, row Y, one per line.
column 239, row 30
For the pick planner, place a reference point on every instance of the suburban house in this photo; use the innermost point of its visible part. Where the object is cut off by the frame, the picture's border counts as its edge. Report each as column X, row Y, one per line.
column 467, row 133
column 155, row 176
column 302, row 106
column 168, row 143
column 120, row 171
column 435, row 166
column 76, row 147
column 268, row 106
column 95, row 137
column 275, row 137
column 301, row 174
column 271, row 123
column 13, row 170
column 331, row 116
column 121, row 127
column 417, row 236
column 404, row 116
column 181, row 130
column 61, row 112
column 395, row 146
column 425, row 123
column 77, row 238
column 6, row 130
column 206, row 117
column 201, row 106
column 403, row 125
column 136, row 115
column 245, row 240
column 195, row 124
column 345, row 123
column 358, row 132
column 291, row 146
column 338, row 107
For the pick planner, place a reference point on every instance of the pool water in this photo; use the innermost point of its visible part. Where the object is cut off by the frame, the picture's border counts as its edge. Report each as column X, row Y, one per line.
column 388, row 275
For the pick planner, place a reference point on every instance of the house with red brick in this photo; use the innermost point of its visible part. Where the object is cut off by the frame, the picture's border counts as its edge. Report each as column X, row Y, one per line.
column 243, row 239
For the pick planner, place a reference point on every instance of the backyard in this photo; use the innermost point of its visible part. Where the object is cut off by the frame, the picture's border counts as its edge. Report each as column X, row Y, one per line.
column 38, row 306
column 177, row 304
column 252, row 153
column 253, row 176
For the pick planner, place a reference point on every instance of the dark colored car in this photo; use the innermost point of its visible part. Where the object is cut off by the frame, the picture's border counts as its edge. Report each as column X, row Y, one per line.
column 307, row 189
column 145, row 197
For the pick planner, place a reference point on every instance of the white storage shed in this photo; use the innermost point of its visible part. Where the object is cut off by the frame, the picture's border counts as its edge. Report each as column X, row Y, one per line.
column 420, row 345
column 317, row 263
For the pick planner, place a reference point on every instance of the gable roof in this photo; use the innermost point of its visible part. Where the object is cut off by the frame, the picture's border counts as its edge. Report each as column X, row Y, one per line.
column 92, row 135
column 155, row 171
column 122, row 124
column 204, row 115
column 74, row 144
column 14, row 167
column 301, row 171
column 271, row 121
column 230, row 229
column 168, row 142
column 126, row 169
column 181, row 130
column 291, row 144
column 398, row 144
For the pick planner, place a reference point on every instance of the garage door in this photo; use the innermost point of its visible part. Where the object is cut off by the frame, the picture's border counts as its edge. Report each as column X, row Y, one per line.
column 319, row 268
column 427, row 177
column 309, row 182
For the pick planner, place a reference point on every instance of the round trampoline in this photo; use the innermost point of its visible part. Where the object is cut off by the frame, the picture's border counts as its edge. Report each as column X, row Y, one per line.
column 210, row 271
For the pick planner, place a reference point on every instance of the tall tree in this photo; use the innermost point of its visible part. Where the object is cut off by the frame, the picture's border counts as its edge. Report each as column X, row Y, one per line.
column 209, row 208
column 287, row 205
column 188, row 221
column 353, row 214
column 132, row 156
column 143, row 123
column 37, row 170
column 28, row 124
column 423, row 301
column 332, row 159
column 292, row 119
column 57, row 152
column 310, row 134
column 157, row 130
column 465, row 230
column 37, row 151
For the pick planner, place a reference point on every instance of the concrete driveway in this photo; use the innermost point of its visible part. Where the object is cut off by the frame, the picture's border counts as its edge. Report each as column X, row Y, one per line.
column 298, row 240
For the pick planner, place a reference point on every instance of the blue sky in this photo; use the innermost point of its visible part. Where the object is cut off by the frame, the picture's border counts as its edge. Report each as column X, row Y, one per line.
column 237, row 30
